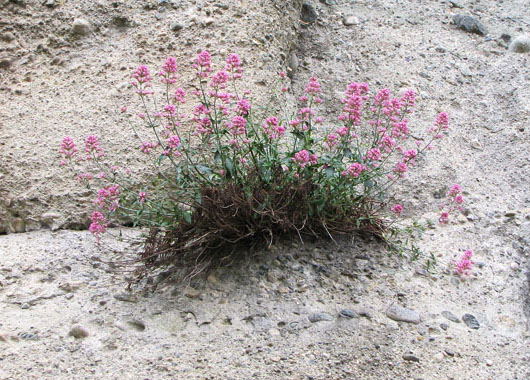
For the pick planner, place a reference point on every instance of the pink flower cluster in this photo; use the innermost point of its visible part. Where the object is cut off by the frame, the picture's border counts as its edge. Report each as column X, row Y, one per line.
column 169, row 71
column 142, row 81
column 99, row 224
column 272, row 128
column 203, row 64
column 233, row 66
column 454, row 202
column 397, row 209
column 108, row 196
column 353, row 101
column 303, row 158
column 354, row 170
column 93, row 148
column 464, row 265
column 68, row 148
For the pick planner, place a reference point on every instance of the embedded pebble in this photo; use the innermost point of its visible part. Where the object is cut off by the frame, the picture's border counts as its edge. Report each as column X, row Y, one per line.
column 348, row 313
column 78, row 332
column 402, row 314
column 450, row 316
column 137, row 324
column 81, row 27
column 319, row 317
column 471, row 321
column 308, row 13
column 126, row 297
column 7, row 36
column 411, row 358
column 521, row 44
column 350, row 20
column 469, row 24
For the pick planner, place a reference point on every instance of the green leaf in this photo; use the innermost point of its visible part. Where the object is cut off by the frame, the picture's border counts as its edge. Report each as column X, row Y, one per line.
column 329, row 171
column 187, row 216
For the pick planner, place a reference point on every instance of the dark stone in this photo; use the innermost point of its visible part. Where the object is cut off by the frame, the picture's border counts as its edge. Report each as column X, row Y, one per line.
column 308, row 14
column 451, row 316
column 471, row 321
column 444, row 326
column 348, row 313
column 121, row 21
column 469, row 24
column 175, row 27
column 328, row 2
column 411, row 358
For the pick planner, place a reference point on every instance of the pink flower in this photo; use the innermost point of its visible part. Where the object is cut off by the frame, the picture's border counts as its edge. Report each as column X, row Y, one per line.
column 68, row 148
column 305, row 113
column 147, row 147
column 331, row 140
column 343, row 131
column 464, row 265
column 233, row 65
column 180, row 95
column 173, row 142
column 219, row 79
column 92, row 146
column 169, row 69
column 84, row 177
column 408, row 100
column 354, row 170
column 397, row 209
column 382, row 96
column 99, row 224
column 283, row 74
column 459, row 199
column 444, row 217
column 142, row 196
column 142, row 74
column 202, row 64
column 304, row 158
column 272, row 128
column 400, row 169
column 455, row 189
column 373, row 154
column 313, row 87
column 243, row 107
column 123, row 109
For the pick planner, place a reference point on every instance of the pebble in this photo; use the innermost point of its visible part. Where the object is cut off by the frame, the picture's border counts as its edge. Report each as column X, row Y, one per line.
column 449, row 352
column 348, row 313
column 444, row 326
column 402, row 314
column 7, row 36
column 469, row 24
column 521, row 44
column 175, row 27
column 3, row 337
column 514, row 266
column 78, row 332
column 411, row 358
column 191, row 292
column 5, row 63
column 126, row 297
column 28, row 336
column 450, row 316
column 471, row 321
column 489, row 363
column 319, row 317
column 350, row 20
column 292, row 64
column 455, row 4
column 137, row 324
column 81, row 27
column 308, row 14
column 329, row 2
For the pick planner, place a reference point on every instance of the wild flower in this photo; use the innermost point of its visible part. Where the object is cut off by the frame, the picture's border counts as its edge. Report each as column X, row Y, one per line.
column 453, row 203
column 397, row 209
column 464, row 265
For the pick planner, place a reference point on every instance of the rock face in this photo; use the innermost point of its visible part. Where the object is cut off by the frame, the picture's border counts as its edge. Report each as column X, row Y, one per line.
column 100, row 50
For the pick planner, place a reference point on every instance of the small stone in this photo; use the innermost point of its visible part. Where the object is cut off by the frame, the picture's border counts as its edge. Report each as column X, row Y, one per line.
column 137, row 324
column 50, row 3
column 449, row 352
column 308, row 14
column 444, row 326
column 348, row 313
column 455, row 4
column 24, row 306
column 121, row 21
column 292, row 64
column 471, row 321
column 402, row 314
column 191, row 292
column 411, row 358
column 175, row 27
column 421, row 272
column 3, row 337
column 28, row 336
column 350, row 20
column 81, row 27
column 126, row 297
column 78, row 332
column 469, row 24
column 489, row 363
column 7, row 37
column 438, row 356
column 450, row 316
column 275, row 359
column 319, row 317
column 329, row 2
column 520, row 44
column 514, row 266
column 5, row 63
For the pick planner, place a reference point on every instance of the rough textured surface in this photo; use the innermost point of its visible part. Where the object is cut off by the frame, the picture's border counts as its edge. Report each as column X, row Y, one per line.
column 67, row 73
column 252, row 321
